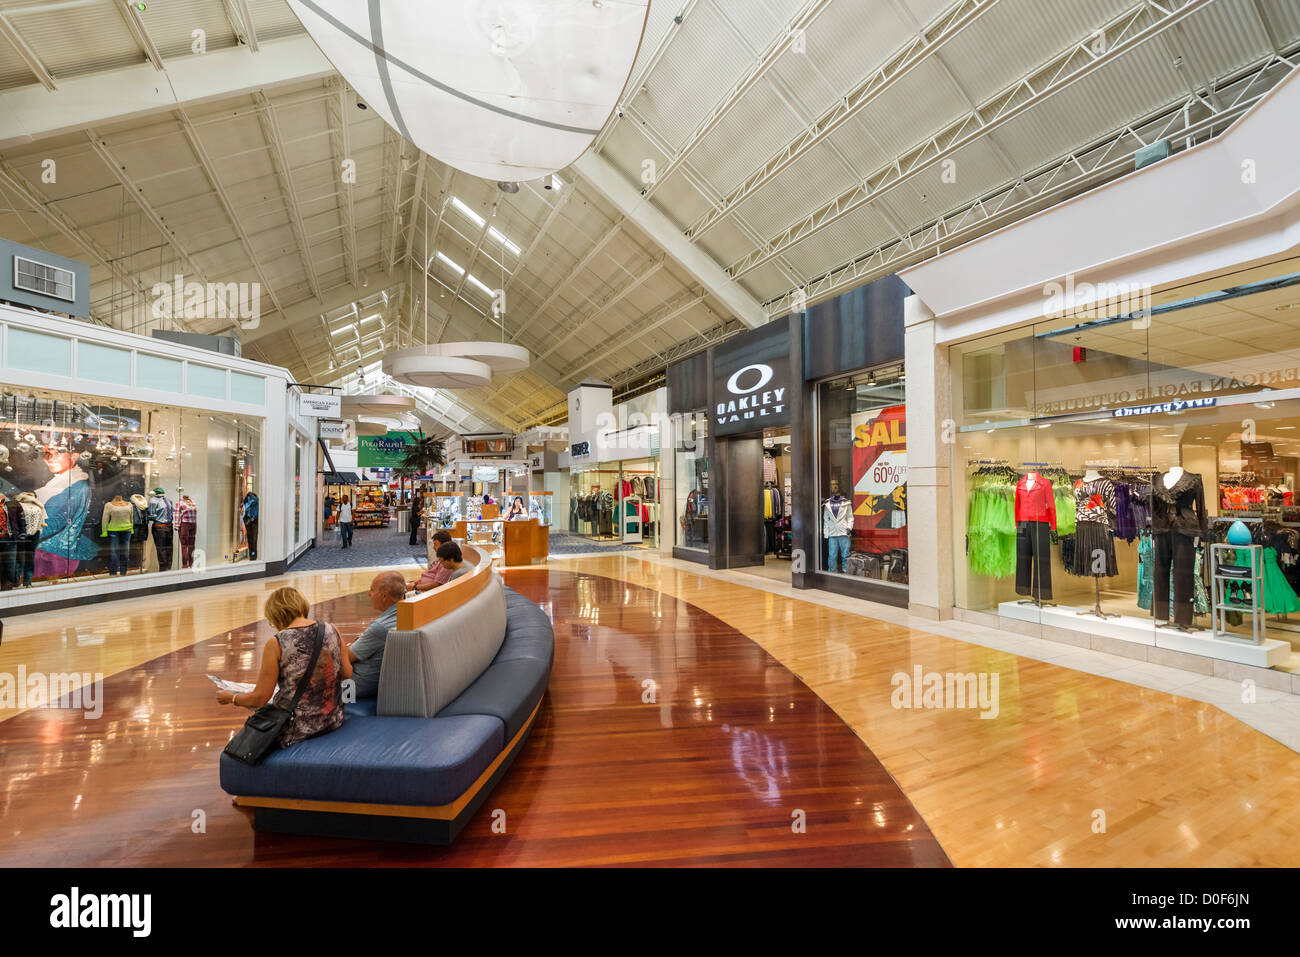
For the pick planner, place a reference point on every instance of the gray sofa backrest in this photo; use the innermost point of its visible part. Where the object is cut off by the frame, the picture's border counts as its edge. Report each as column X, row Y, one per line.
column 426, row 669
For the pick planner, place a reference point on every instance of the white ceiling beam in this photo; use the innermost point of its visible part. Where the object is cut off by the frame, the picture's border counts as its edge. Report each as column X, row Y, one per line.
column 308, row 310
column 562, row 335
column 638, row 330
column 31, row 112
column 903, row 61
column 610, row 183
column 135, row 24
column 564, row 283
column 10, row 33
column 1124, row 33
column 280, row 161
column 794, row 30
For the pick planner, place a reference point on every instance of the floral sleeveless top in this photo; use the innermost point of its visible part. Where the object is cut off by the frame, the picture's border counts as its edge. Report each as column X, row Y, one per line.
column 321, row 707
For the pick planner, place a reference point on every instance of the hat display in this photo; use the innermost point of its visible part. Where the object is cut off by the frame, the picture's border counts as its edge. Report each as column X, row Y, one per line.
column 140, row 502
column 159, row 491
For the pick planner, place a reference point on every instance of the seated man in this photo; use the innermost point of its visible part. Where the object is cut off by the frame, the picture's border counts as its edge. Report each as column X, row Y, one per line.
column 449, row 555
column 367, row 650
column 435, row 574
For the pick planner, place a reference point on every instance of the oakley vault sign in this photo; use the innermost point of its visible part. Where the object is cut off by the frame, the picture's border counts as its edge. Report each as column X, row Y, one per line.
column 751, row 381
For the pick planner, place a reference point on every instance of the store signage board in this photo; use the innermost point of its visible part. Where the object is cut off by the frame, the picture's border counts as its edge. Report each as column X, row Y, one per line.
column 752, row 381
column 579, row 449
column 1177, row 405
column 486, row 475
column 382, row 451
column 333, row 431
column 321, row 406
column 487, row 446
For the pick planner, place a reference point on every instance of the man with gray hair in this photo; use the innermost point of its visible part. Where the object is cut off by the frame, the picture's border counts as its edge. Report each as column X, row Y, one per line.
column 367, row 650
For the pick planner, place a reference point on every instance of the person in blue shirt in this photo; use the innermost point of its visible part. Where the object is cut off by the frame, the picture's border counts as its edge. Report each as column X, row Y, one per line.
column 366, row 652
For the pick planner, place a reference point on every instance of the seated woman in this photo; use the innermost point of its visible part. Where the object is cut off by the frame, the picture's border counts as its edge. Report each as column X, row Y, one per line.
column 435, row 574
column 517, row 510
column 284, row 661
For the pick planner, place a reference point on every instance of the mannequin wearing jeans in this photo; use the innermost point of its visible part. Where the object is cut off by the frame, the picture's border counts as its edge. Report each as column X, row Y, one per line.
column 837, row 524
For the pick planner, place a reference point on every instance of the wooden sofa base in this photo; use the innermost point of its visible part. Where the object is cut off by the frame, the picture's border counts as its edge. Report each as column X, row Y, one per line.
column 387, row 822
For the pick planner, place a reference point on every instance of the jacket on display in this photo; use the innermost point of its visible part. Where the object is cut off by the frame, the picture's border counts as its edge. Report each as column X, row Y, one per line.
column 837, row 518
column 1036, row 504
column 1180, row 508
column 161, row 510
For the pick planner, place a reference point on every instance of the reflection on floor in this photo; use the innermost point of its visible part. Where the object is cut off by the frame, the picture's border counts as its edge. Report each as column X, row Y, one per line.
column 1085, row 758
column 727, row 758
column 773, row 568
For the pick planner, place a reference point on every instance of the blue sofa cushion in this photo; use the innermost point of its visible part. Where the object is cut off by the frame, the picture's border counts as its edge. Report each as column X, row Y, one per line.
column 365, row 708
column 416, row 761
column 508, row 689
column 528, row 631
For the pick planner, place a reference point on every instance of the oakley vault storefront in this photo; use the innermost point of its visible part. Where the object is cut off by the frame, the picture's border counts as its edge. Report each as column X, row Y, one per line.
column 790, row 448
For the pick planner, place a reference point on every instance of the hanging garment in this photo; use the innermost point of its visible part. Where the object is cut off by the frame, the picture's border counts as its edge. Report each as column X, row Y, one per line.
column 1124, row 525
column 1279, row 597
column 1146, row 570
column 769, row 468
column 1064, row 496
column 771, row 503
column 991, row 526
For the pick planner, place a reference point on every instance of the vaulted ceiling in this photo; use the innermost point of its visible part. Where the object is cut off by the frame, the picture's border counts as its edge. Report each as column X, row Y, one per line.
column 765, row 151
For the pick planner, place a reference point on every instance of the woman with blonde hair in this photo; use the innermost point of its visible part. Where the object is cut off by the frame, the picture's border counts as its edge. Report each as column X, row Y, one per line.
column 285, row 661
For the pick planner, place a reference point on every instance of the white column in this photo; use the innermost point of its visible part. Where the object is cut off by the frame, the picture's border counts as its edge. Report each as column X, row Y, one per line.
column 929, row 466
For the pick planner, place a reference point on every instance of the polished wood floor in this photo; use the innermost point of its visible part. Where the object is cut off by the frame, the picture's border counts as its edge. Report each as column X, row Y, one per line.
column 738, row 739
column 732, row 751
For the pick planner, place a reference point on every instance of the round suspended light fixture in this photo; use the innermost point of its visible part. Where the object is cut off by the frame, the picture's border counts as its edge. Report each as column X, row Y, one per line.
column 377, row 414
column 506, row 90
column 455, row 365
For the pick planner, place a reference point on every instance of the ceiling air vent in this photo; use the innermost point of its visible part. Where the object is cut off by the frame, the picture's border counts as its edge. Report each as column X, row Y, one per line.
column 44, row 280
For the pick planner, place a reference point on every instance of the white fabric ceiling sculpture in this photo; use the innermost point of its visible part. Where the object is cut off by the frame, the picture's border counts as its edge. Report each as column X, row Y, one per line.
column 507, row 90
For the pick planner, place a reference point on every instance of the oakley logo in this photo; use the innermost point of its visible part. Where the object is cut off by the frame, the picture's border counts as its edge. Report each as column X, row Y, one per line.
column 755, row 401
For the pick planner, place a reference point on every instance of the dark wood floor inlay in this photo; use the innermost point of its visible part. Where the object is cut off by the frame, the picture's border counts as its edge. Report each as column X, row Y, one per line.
column 716, row 762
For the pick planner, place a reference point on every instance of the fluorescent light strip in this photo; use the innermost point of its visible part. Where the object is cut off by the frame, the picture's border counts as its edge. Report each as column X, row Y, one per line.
column 451, row 262
column 474, row 281
column 468, row 213
column 492, row 231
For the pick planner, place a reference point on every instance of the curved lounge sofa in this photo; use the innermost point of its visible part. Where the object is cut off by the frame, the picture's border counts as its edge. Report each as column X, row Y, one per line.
column 462, row 681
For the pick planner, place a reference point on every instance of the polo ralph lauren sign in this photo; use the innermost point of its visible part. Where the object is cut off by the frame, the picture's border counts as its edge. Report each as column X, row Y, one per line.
column 751, row 381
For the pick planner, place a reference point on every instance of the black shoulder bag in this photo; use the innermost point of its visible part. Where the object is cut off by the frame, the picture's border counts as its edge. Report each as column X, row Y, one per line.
column 261, row 733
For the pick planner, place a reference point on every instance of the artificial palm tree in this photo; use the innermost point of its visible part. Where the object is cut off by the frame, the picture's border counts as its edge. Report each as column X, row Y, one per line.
column 424, row 454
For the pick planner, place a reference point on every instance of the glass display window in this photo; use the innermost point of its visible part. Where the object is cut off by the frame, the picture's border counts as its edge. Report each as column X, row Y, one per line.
column 541, row 506
column 691, row 484
column 93, row 489
column 1100, row 454
column 861, row 518
column 448, row 509
column 592, row 496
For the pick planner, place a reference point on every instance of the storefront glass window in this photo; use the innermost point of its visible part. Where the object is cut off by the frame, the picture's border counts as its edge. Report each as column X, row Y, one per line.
column 862, row 476
column 1100, row 454
column 692, row 481
column 79, row 477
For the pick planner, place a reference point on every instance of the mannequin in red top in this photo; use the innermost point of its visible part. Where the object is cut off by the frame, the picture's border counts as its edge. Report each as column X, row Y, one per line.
column 1035, row 521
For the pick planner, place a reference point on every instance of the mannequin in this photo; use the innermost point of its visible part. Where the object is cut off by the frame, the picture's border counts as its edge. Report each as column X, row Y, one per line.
column 139, row 530
column 11, row 523
column 1178, row 522
column 33, row 521
column 1094, row 528
column 248, row 512
column 1035, row 521
column 837, row 525
column 187, row 517
column 161, row 516
column 116, row 524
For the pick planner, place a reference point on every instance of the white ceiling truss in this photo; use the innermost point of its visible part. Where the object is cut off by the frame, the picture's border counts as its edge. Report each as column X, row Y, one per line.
column 763, row 150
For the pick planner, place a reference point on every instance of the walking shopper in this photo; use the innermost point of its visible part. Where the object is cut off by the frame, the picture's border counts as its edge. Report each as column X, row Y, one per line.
column 345, row 521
